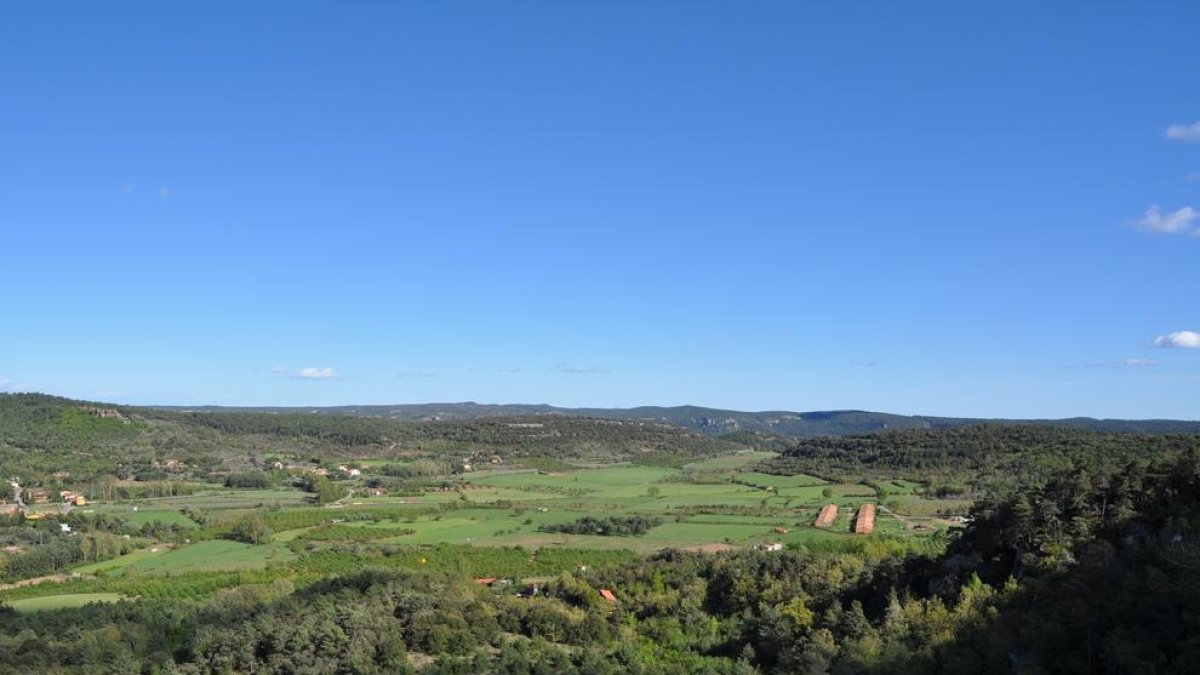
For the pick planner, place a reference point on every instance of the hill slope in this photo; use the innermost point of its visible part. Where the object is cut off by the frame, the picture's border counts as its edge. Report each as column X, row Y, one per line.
column 42, row 435
column 714, row 421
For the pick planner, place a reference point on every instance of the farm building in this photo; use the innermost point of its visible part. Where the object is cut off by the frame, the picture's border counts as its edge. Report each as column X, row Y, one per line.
column 827, row 516
column 865, row 522
column 608, row 595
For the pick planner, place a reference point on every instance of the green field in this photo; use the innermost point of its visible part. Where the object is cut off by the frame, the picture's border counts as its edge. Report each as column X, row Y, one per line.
column 708, row 504
column 148, row 515
column 731, row 462
column 204, row 555
column 72, row 600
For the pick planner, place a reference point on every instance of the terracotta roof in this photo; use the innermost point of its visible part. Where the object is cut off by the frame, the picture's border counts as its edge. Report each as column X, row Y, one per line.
column 828, row 515
column 607, row 595
column 865, row 523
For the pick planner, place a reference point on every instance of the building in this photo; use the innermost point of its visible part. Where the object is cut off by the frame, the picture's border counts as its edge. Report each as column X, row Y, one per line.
column 828, row 514
column 608, row 595
column 865, row 522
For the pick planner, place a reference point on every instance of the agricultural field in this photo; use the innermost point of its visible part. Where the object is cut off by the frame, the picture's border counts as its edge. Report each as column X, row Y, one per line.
column 714, row 503
column 64, row 601
column 520, row 511
column 216, row 555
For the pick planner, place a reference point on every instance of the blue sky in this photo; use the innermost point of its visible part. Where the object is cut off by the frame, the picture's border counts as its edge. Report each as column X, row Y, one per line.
column 939, row 208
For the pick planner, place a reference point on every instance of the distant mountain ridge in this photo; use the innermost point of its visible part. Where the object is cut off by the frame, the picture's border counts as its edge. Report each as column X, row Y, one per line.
column 713, row 421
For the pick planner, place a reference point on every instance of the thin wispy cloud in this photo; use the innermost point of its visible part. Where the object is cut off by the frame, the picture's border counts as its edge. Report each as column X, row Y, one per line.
column 1132, row 362
column 305, row 373
column 1179, row 221
column 1183, row 132
column 128, row 188
column 510, row 370
column 1191, row 177
column 864, row 363
column 1181, row 339
column 164, row 193
column 415, row 373
column 6, row 384
column 578, row 370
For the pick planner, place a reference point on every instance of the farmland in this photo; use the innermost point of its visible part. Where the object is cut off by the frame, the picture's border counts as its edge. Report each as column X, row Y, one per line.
column 494, row 540
column 715, row 502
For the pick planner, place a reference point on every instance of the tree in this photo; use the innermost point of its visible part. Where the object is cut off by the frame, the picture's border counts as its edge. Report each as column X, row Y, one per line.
column 251, row 528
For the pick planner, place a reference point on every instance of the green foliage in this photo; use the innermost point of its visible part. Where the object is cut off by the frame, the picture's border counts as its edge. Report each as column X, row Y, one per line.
column 982, row 457
column 251, row 528
column 611, row 526
column 248, row 479
column 1020, row 581
column 325, row 490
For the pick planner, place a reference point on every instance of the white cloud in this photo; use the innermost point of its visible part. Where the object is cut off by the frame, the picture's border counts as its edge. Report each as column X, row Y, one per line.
column 1172, row 222
column 577, row 370
column 1192, row 177
column 1183, row 132
column 128, row 188
column 7, row 384
column 510, row 370
column 164, row 193
column 315, row 374
column 1182, row 339
column 1138, row 363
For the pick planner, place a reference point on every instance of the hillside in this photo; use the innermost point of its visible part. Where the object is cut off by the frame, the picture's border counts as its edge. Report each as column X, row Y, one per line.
column 975, row 458
column 714, row 421
column 41, row 435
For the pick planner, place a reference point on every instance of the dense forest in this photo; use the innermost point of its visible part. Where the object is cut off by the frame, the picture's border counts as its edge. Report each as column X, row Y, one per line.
column 1015, row 593
column 975, row 458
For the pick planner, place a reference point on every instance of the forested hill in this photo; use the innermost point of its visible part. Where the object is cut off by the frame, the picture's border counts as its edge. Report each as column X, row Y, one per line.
column 973, row 459
column 41, row 435
column 716, row 422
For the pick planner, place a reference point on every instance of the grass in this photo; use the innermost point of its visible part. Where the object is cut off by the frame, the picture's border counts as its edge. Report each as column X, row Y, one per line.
column 151, row 515
column 771, row 480
column 740, row 460
column 217, row 554
column 66, row 601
